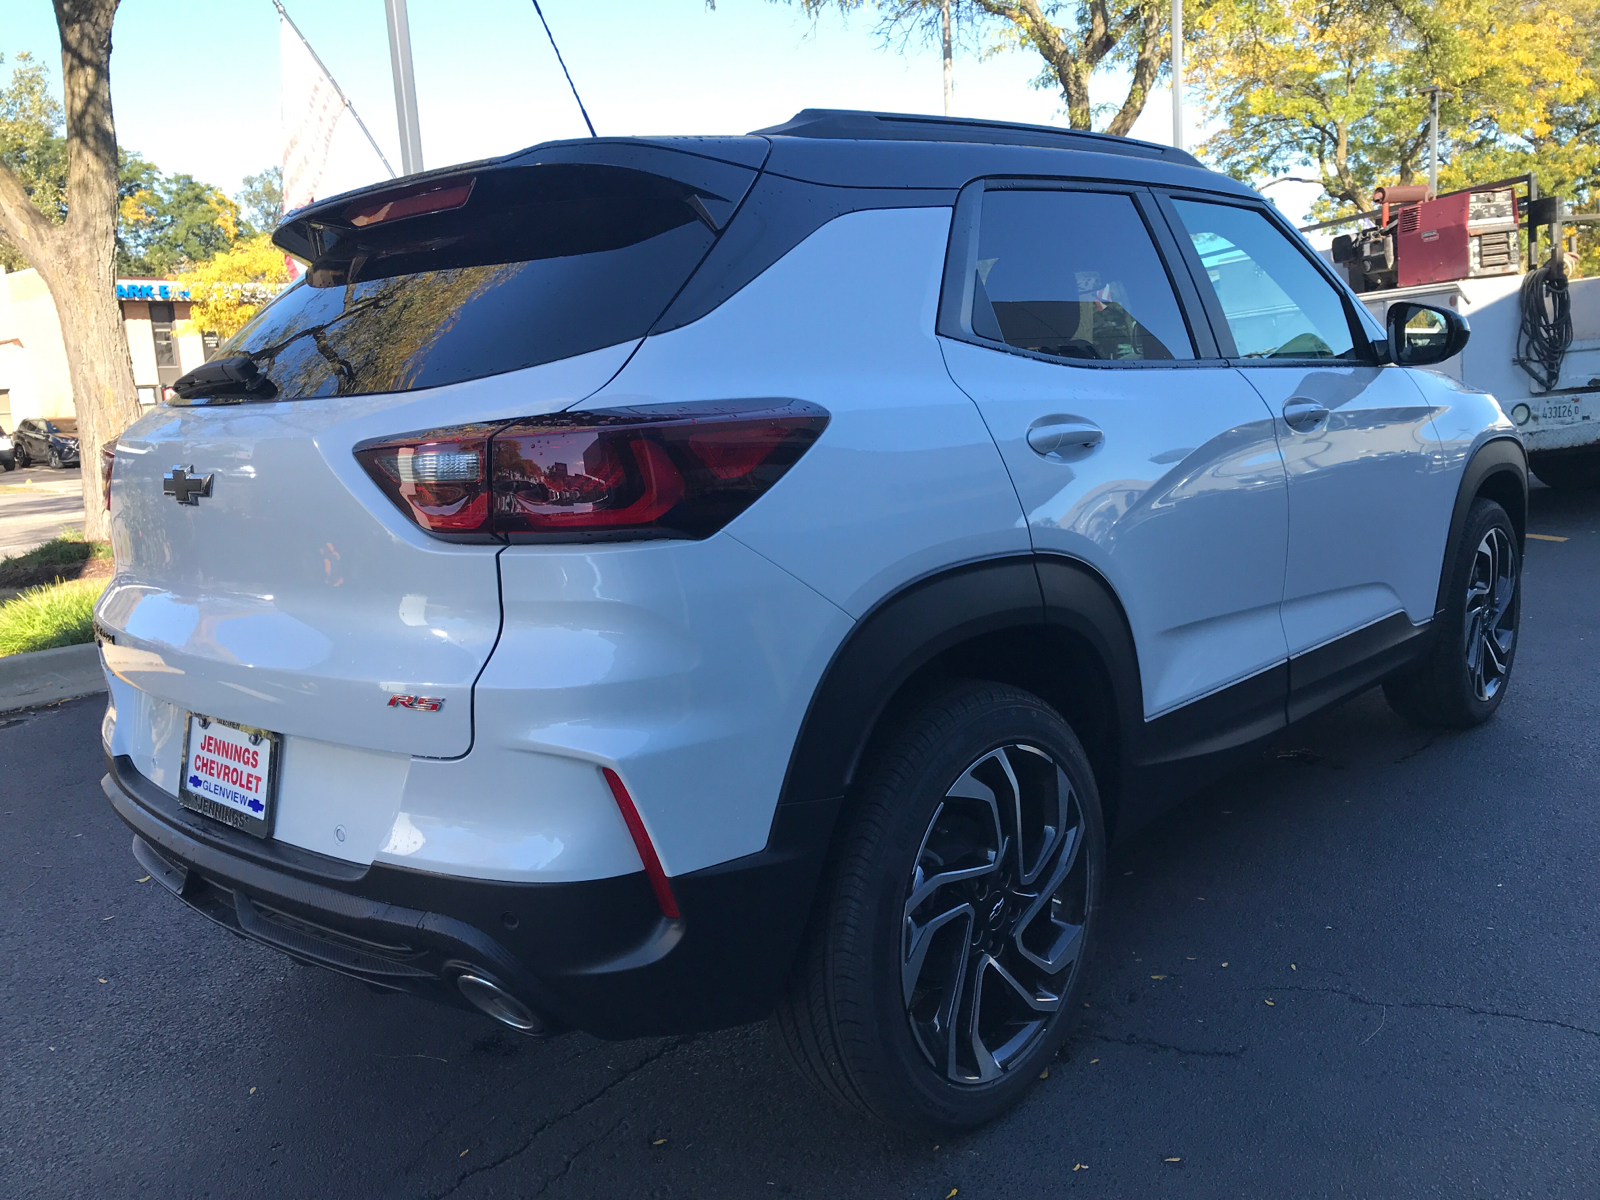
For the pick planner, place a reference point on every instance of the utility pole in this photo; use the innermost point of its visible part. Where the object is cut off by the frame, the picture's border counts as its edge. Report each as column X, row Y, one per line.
column 1177, row 74
column 949, row 59
column 1433, row 138
column 405, row 86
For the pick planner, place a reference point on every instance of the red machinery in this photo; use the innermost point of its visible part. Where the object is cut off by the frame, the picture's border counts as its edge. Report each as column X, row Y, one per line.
column 1421, row 240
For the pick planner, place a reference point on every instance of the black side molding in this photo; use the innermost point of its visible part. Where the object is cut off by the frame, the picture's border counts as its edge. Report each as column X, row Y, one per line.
column 1500, row 467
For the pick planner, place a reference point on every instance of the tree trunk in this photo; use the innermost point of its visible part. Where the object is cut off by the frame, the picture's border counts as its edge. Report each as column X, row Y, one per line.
column 76, row 258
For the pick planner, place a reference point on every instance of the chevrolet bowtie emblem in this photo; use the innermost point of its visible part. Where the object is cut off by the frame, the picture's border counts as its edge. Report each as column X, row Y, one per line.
column 184, row 487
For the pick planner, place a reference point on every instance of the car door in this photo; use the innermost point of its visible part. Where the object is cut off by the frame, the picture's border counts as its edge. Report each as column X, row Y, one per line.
column 1133, row 446
column 1357, row 436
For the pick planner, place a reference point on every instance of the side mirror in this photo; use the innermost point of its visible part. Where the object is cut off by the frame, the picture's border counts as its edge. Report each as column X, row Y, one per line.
column 1421, row 335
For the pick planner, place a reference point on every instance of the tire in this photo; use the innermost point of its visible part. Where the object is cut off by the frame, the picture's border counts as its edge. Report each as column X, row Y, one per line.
column 19, row 456
column 1464, row 677
column 55, row 458
column 1567, row 470
column 1025, row 909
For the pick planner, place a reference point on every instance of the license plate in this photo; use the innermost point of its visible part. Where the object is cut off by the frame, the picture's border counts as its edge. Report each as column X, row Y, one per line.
column 1563, row 411
column 230, row 773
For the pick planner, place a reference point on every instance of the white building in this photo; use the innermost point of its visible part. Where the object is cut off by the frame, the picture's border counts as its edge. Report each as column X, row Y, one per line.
column 33, row 361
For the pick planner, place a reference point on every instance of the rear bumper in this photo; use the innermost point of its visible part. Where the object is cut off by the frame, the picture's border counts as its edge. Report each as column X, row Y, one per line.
column 594, row 955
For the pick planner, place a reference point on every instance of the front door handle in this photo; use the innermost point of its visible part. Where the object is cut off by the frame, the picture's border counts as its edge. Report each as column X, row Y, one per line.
column 1302, row 415
column 1052, row 439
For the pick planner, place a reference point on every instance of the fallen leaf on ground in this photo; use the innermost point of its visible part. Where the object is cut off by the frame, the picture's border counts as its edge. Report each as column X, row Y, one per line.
column 252, row 1091
column 1158, row 977
column 1292, row 967
column 1045, row 1074
column 1224, row 964
column 659, row 1142
column 953, row 1191
column 146, row 879
column 463, row 1154
column 1092, row 1061
column 1075, row 1167
column 1270, row 1004
column 102, row 981
column 1172, row 1160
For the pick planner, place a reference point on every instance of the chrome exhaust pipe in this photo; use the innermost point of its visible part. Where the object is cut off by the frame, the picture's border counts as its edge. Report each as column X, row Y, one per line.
column 492, row 999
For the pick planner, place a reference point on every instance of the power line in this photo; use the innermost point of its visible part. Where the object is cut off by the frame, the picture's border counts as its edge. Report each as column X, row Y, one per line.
column 282, row 12
column 564, row 70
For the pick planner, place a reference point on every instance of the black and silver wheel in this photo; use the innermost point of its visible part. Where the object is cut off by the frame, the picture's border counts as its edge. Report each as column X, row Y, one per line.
column 1464, row 677
column 55, row 458
column 950, row 939
column 19, row 456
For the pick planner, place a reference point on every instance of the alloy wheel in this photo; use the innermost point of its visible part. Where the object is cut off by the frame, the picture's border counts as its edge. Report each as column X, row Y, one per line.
column 1491, row 619
column 994, row 922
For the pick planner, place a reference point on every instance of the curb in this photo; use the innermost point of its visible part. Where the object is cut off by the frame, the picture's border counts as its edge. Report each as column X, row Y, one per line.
column 46, row 676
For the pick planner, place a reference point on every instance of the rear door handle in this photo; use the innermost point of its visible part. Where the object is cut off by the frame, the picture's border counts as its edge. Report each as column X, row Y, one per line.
column 1302, row 415
column 1054, row 438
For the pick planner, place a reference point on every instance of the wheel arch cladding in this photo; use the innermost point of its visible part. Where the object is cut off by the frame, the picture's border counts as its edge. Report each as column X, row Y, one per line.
column 1497, row 471
column 986, row 620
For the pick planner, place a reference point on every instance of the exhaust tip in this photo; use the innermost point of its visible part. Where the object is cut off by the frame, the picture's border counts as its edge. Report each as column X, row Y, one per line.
column 492, row 999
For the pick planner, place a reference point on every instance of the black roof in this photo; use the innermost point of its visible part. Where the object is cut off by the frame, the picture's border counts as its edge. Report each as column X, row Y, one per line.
column 855, row 125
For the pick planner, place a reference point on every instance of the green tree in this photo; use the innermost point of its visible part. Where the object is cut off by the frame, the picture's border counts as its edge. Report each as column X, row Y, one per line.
column 168, row 221
column 1073, row 39
column 260, row 201
column 31, row 145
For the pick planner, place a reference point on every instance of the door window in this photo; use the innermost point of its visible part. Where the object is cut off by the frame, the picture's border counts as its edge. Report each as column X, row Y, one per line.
column 1276, row 304
column 1076, row 275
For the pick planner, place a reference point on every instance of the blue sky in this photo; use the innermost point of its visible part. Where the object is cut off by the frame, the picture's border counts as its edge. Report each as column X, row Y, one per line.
column 195, row 82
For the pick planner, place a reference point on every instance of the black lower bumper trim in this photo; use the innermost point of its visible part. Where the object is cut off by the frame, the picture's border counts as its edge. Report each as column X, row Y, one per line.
column 595, row 955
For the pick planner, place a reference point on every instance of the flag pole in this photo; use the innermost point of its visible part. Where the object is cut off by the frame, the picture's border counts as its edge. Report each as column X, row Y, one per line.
column 282, row 12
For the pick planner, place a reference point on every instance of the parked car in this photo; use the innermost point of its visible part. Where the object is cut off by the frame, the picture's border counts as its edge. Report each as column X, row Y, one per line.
column 643, row 585
column 52, row 440
column 8, row 460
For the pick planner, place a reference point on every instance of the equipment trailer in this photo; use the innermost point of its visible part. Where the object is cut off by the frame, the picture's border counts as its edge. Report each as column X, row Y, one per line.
column 1535, row 334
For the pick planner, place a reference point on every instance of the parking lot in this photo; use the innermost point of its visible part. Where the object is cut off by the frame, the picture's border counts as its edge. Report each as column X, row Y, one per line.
column 36, row 504
column 1364, row 965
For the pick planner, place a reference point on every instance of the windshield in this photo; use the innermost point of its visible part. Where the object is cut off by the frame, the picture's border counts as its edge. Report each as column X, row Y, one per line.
column 541, row 264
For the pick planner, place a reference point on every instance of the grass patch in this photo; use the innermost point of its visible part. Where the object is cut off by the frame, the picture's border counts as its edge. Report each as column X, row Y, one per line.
column 42, row 618
column 64, row 557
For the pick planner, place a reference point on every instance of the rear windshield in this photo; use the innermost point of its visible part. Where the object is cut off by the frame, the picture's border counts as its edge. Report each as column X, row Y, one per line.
column 541, row 263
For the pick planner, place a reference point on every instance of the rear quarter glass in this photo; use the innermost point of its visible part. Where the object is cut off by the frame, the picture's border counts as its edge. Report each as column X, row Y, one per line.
column 541, row 263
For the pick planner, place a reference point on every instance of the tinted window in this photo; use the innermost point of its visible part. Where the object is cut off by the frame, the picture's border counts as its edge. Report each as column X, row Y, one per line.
column 540, row 264
column 1276, row 303
column 1073, row 274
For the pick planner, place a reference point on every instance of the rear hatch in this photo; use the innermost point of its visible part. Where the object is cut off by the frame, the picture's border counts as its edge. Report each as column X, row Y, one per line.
column 261, row 575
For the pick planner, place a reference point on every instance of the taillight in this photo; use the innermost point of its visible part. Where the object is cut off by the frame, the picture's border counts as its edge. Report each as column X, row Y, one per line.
column 108, row 454
column 659, row 471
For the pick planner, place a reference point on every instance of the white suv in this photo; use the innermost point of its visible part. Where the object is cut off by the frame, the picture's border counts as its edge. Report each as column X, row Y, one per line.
column 646, row 584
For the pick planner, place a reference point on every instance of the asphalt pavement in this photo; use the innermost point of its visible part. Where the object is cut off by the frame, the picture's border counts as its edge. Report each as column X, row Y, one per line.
column 36, row 504
column 1364, row 965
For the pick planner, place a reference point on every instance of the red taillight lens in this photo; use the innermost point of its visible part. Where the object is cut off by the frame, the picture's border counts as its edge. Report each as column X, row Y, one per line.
column 108, row 455
column 438, row 195
column 440, row 480
column 683, row 471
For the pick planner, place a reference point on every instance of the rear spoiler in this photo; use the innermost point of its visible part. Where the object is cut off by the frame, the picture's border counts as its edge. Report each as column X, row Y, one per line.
column 674, row 158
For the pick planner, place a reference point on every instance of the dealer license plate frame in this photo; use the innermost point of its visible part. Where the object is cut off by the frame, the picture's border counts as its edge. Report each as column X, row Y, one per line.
column 261, row 826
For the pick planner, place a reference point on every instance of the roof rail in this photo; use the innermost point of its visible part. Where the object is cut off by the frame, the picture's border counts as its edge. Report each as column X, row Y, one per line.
column 848, row 123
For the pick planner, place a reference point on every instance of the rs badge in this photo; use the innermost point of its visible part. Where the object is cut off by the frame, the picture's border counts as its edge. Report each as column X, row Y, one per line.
column 418, row 703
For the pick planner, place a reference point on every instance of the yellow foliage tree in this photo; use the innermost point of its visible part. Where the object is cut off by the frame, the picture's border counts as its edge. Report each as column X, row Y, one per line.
column 228, row 289
column 1340, row 87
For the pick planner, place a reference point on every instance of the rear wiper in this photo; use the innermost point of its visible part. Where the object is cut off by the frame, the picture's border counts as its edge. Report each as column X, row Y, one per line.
column 239, row 375
column 235, row 375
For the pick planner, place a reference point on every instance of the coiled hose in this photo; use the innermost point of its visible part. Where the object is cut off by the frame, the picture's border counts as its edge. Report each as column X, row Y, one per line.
column 1546, row 329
